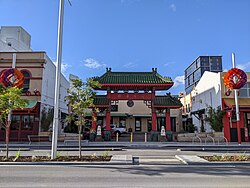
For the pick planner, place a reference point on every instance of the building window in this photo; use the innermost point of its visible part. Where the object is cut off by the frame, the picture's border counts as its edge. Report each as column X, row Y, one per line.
column 27, row 122
column 245, row 91
column 149, row 124
column 137, row 124
column 15, row 121
column 26, row 84
column 122, row 122
column 161, row 121
column 173, row 124
column 198, row 63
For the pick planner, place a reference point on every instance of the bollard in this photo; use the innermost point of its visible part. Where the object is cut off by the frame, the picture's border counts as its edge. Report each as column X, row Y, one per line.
column 131, row 137
column 145, row 137
column 117, row 135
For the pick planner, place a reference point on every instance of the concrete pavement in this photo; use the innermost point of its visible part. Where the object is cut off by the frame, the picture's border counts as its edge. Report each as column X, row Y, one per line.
column 125, row 176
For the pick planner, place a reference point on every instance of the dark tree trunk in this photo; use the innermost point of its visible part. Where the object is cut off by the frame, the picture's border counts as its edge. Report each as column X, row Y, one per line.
column 80, row 147
column 7, row 130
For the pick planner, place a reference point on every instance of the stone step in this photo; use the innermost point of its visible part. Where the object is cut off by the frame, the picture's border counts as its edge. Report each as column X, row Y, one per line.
column 159, row 160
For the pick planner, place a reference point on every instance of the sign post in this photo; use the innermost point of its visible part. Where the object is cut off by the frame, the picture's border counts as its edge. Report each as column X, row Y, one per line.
column 235, row 79
column 57, row 84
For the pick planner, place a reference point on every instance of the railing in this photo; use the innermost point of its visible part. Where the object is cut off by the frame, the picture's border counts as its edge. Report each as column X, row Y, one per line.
column 224, row 138
column 195, row 138
column 209, row 137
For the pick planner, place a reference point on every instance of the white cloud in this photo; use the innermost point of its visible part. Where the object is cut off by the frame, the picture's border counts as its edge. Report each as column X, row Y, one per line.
column 64, row 67
column 168, row 63
column 179, row 80
column 92, row 63
column 130, row 65
column 243, row 66
column 173, row 7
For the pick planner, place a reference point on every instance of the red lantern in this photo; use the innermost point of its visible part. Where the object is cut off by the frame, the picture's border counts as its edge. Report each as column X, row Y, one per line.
column 12, row 78
column 235, row 78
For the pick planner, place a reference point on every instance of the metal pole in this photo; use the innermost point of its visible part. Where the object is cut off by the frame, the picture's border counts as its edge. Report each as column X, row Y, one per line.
column 9, row 114
column 236, row 104
column 13, row 61
column 7, row 138
column 117, row 135
column 57, row 84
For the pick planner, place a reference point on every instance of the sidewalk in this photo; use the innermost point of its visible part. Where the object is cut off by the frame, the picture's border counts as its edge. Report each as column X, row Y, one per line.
column 126, row 153
column 134, row 145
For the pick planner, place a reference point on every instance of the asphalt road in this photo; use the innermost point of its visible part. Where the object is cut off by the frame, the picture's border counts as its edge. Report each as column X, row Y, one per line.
column 124, row 176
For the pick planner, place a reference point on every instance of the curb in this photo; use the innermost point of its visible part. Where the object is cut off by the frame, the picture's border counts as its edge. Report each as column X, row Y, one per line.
column 196, row 160
column 65, row 149
column 181, row 159
column 15, row 149
column 115, row 160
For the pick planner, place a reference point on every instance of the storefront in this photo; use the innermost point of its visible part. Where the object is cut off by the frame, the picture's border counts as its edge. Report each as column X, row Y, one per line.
column 229, row 120
column 23, row 123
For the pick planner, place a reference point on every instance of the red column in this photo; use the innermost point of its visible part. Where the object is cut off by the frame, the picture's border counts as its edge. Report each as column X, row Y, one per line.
column 93, row 120
column 168, row 121
column 226, row 124
column 154, row 120
column 108, row 120
column 154, row 128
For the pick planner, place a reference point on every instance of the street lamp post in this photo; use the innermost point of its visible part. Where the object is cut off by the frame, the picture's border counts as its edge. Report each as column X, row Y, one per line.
column 236, row 104
column 57, row 83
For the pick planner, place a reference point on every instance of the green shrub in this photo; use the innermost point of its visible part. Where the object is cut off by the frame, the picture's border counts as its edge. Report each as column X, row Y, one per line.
column 105, row 154
column 18, row 154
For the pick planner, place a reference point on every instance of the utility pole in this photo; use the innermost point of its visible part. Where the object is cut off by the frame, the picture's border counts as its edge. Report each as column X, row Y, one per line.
column 236, row 104
column 57, row 84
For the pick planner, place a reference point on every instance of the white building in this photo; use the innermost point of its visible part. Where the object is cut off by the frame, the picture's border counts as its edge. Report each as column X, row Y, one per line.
column 207, row 93
column 14, row 39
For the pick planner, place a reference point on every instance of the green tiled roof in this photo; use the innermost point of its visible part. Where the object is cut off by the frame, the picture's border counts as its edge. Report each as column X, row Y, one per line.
column 118, row 115
column 101, row 100
column 133, row 78
column 166, row 100
column 31, row 104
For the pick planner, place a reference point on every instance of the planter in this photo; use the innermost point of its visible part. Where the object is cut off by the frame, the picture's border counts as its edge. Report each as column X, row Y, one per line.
column 154, row 136
column 99, row 139
column 169, row 135
column 107, row 135
column 92, row 137
column 163, row 139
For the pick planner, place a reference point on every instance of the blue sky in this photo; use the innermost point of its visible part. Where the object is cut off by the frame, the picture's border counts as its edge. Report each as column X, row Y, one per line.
column 136, row 35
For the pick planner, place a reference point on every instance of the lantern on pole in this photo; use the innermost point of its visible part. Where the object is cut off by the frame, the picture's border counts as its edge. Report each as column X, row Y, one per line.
column 235, row 79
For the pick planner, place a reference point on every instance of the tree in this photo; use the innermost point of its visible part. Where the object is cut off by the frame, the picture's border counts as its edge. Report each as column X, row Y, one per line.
column 10, row 99
column 80, row 99
column 214, row 117
column 46, row 118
